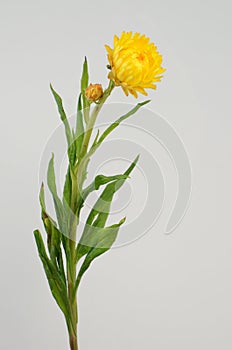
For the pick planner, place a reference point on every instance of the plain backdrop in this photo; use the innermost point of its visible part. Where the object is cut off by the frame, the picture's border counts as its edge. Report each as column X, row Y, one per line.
column 163, row 292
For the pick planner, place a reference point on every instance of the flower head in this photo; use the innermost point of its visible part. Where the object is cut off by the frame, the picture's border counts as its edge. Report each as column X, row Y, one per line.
column 94, row 92
column 135, row 63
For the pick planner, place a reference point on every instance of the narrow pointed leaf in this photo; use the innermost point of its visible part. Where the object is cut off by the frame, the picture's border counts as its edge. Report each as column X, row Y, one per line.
column 99, row 213
column 56, row 283
column 106, row 238
column 84, row 85
column 52, row 187
column 47, row 220
column 54, row 237
column 85, row 76
column 119, row 120
column 99, row 181
column 67, row 193
column 79, row 133
column 62, row 115
column 102, row 206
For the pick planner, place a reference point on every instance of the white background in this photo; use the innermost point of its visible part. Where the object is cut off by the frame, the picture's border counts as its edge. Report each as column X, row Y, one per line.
column 162, row 292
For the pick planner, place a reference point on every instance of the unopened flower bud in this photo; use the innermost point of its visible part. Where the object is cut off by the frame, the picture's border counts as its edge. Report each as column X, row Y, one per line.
column 94, row 92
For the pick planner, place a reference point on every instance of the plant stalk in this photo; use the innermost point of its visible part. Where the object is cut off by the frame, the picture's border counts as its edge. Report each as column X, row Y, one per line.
column 71, row 265
column 93, row 117
column 73, row 342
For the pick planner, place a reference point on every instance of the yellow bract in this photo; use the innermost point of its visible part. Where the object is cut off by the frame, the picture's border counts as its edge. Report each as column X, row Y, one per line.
column 135, row 63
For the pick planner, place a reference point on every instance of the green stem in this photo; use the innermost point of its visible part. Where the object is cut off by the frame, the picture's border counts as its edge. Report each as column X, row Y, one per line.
column 86, row 114
column 93, row 117
column 71, row 292
column 71, row 265
column 75, row 174
column 83, row 159
column 73, row 342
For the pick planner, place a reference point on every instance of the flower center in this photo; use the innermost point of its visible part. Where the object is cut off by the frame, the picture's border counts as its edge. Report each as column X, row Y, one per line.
column 141, row 57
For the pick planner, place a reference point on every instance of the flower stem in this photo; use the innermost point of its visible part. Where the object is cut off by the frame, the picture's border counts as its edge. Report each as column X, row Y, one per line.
column 71, row 266
column 73, row 342
column 93, row 117
column 71, row 263
column 72, row 300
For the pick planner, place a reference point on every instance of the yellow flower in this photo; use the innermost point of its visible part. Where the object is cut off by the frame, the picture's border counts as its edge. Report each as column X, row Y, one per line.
column 94, row 92
column 135, row 63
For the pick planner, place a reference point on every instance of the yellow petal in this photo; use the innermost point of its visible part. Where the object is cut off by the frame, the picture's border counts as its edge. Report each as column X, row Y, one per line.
column 135, row 63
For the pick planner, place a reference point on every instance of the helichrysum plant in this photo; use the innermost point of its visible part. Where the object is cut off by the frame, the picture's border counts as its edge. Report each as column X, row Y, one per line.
column 134, row 65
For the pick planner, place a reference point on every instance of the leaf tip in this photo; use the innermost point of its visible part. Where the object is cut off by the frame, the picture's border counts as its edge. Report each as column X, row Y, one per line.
column 41, row 188
column 51, row 162
column 122, row 221
column 36, row 233
column 136, row 159
column 144, row 103
column 85, row 64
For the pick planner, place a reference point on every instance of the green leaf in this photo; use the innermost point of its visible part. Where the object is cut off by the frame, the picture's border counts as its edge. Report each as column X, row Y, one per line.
column 99, row 181
column 102, row 179
column 47, row 220
column 70, row 198
column 119, row 120
column 67, row 193
column 62, row 211
column 106, row 238
column 99, row 213
column 54, row 236
column 62, row 115
column 85, row 76
column 95, row 139
column 56, row 283
column 102, row 206
column 41, row 197
column 72, row 153
column 52, row 187
column 84, row 85
column 79, row 133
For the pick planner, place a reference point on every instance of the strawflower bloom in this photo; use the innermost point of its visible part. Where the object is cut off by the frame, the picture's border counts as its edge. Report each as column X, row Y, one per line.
column 135, row 63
